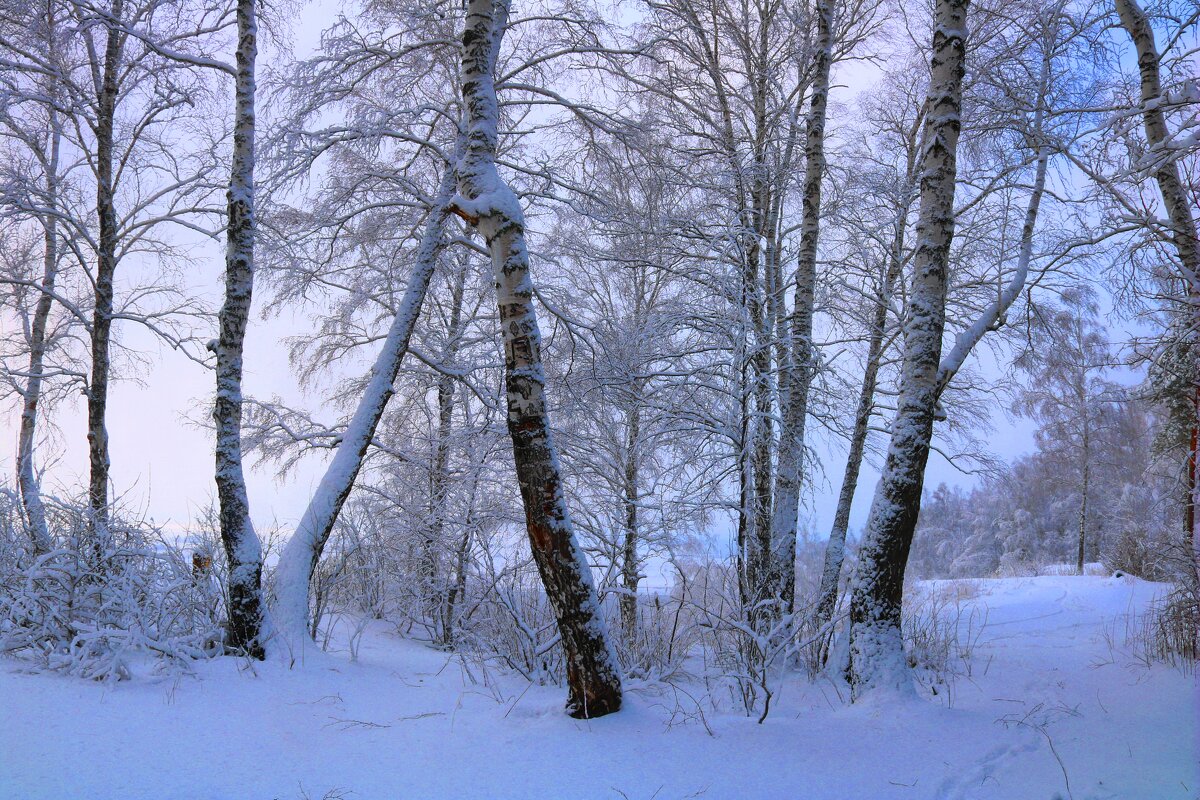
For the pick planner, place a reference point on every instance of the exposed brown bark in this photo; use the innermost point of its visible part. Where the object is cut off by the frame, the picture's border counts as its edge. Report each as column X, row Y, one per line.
column 876, row 647
column 490, row 205
column 106, row 267
column 1183, row 233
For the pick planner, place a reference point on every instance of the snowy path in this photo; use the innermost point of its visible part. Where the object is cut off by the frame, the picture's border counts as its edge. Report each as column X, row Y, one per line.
column 406, row 723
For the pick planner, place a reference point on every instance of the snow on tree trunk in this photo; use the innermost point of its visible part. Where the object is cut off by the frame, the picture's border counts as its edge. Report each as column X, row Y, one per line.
column 303, row 551
column 781, row 578
column 1175, row 196
column 242, row 548
column 27, row 483
column 106, row 266
column 490, row 205
column 877, row 660
column 835, row 548
column 994, row 315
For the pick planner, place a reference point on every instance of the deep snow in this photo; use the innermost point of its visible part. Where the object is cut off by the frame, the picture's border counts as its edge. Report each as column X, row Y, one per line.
column 409, row 722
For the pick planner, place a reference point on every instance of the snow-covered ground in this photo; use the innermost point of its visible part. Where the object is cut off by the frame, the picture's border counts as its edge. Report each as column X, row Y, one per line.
column 1052, row 697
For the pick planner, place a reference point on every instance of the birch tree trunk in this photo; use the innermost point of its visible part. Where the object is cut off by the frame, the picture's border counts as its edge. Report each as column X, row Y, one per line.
column 835, row 548
column 799, row 374
column 242, row 548
column 438, row 591
column 877, row 661
column 964, row 343
column 1184, row 235
column 303, row 551
column 106, row 267
column 630, row 572
column 27, row 483
column 490, row 205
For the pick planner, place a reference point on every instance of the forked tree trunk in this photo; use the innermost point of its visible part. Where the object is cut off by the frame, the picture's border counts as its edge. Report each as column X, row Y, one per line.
column 835, row 548
column 877, row 661
column 242, row 548
column 490, row 205
column 799, row 374
column 1175, row 199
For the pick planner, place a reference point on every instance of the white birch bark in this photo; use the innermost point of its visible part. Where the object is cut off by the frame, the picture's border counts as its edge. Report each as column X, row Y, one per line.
column 27, row 482
column 835, row 548
column 303, row 550
column 799, row 373
column 1184, row 234
column 490, row 205
column 106, row 267
column 877, row 661
column 242, row 548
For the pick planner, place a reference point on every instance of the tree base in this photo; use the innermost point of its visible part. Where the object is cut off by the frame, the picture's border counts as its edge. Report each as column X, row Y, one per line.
column 594, row 704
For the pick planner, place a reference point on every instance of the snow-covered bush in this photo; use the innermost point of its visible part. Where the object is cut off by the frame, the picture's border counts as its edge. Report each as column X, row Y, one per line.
column 510, row 623
column 97, row 603
column 1170, row 628
column 941, row 628
column 1175, row 626
column 662, row 639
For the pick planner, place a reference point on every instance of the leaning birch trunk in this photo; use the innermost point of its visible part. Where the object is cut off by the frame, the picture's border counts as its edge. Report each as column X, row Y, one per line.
column 1175, row 198
column 490, row 205
column 835, row 548
column 242, row 548
column 782, row 563
column 299, row 558
column 994, row 315
column 27, row 483
column 106, row 267
column 877, row 661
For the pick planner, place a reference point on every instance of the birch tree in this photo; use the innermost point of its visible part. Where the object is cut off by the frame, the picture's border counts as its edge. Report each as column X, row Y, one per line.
column 31, row 120
column 488, row 204
column 733, row 99
column 117, row 95
column 876, row 648
column 242, row 548
column 800, row 359
column 1180, row 228
column 638, row 462
column 895, row 189
column 1067, row 395
column 322, row 249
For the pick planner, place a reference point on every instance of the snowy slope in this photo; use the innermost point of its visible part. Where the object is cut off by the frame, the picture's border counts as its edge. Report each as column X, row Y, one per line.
column 1046, row 694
